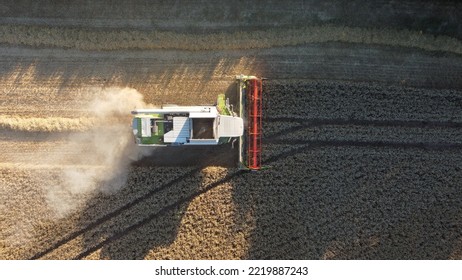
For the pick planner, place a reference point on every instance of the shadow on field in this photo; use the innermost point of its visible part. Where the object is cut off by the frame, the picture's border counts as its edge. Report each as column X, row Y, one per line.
column 222, row 155
column 355, row 203
column 361, row 199
column 144, row 215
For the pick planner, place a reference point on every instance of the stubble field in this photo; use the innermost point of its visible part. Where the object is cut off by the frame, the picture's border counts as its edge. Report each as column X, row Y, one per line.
column 362, row 131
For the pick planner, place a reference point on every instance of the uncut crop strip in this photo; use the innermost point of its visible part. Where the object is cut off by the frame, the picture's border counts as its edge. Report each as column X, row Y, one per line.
column 308, row 123
column 96, row 39
column 375, row 144
column 391, row 123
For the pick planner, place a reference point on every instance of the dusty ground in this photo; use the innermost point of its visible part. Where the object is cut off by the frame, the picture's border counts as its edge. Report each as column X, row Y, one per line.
column 363, row 130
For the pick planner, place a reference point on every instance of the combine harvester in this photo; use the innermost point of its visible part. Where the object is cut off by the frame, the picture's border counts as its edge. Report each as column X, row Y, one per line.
column 208, row 125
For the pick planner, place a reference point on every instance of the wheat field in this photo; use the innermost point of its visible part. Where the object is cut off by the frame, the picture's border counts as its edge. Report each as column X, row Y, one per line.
column 362, row 131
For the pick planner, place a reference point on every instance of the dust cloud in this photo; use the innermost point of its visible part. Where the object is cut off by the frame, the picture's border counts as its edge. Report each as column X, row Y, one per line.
column 96, row 160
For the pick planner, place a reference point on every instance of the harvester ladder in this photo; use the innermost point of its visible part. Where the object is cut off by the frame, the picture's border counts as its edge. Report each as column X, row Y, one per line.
column 254, row 124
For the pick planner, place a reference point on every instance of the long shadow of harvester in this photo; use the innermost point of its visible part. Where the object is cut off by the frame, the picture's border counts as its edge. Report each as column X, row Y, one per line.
column 358, row 198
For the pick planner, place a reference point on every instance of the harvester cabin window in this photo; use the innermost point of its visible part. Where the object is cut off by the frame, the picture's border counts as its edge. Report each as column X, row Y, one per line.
column 203, row 128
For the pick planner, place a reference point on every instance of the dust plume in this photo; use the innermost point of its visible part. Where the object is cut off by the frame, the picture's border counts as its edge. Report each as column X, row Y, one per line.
column 105, row 151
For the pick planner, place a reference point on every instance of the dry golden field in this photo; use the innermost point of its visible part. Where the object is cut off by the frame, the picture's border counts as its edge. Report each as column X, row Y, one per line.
column 362, row 130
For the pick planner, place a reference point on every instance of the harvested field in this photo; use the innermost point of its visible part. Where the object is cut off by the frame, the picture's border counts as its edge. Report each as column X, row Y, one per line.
column 362, row 131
